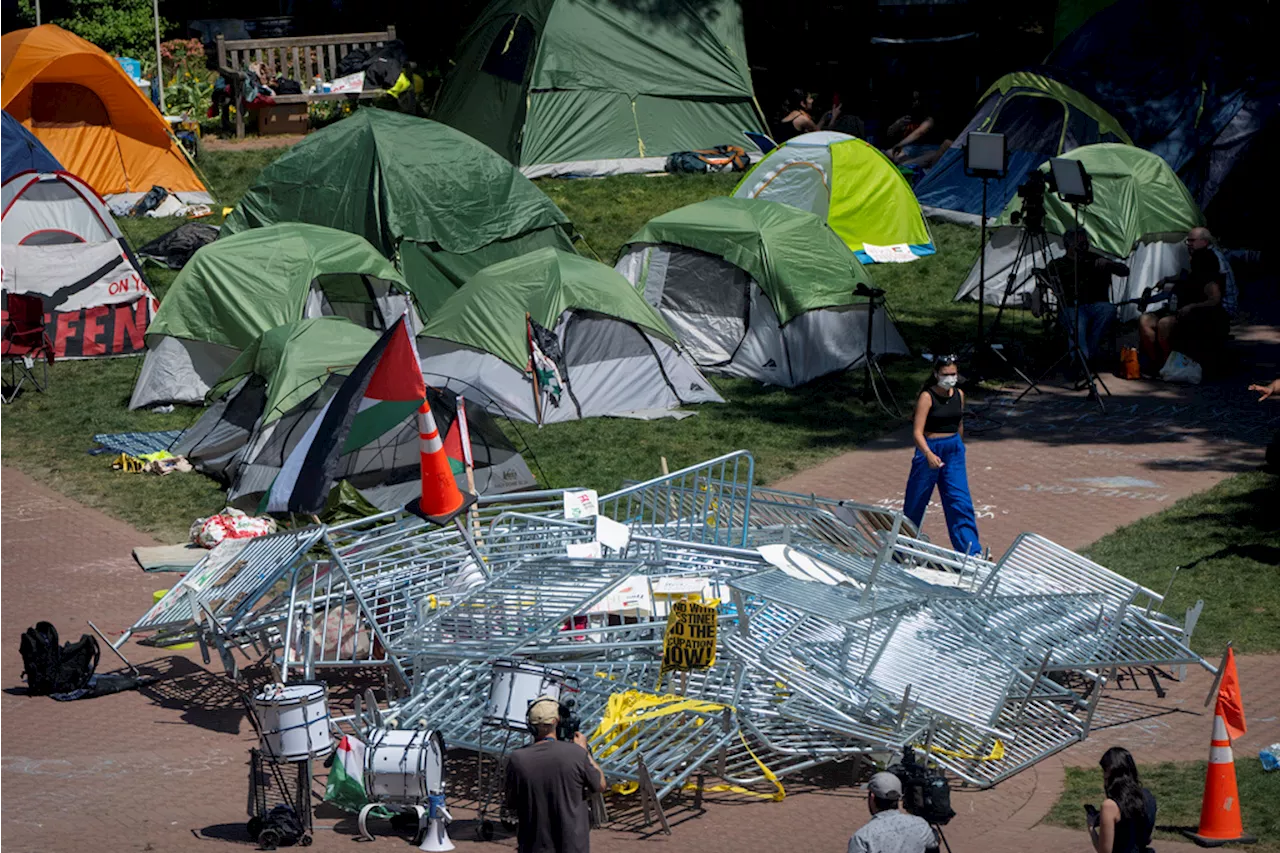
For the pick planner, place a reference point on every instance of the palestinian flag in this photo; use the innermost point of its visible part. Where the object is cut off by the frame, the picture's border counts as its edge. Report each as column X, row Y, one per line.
column 385, row 388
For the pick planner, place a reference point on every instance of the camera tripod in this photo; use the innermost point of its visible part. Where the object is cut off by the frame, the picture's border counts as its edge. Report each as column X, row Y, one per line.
column 874, row 381
column 937, row 828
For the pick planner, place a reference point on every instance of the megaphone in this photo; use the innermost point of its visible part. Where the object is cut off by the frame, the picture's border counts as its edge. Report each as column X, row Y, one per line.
column 435, row 839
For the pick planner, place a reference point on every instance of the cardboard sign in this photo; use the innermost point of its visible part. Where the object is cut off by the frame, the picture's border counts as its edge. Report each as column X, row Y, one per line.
column 690, row 640
column 582, row 550
column 898, row 253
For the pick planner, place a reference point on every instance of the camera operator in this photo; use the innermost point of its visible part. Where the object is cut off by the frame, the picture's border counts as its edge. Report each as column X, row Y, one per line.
column 1085, row 279
column 891, row 830
column 547, row 784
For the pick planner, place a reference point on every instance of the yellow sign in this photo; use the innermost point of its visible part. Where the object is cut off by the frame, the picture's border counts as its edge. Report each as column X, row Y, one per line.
column 690, row 640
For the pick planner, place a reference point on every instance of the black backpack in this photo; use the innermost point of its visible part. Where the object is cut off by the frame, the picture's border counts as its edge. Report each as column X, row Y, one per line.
column 50, row 668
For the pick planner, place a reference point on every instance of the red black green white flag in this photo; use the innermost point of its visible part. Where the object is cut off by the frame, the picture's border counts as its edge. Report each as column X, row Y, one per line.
column 384, row 389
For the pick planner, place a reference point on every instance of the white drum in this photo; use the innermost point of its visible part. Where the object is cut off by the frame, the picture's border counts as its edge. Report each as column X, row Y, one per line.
column 295, row 721
column 516, row 684
column 403, row 766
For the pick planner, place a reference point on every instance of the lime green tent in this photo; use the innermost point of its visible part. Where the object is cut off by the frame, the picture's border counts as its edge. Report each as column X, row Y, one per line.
column 850, row 183
column 617, row 356
column 757, row 289
column 236, row 288
column 264, row 402
column 588, row 88
column 1140, row 214
column 435, row 200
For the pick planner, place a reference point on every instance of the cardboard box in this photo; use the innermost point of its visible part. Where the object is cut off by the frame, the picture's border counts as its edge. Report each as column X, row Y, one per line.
column 283, row 118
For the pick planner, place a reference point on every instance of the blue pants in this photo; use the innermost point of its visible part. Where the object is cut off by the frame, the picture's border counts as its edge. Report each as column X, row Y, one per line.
column 953, row 489
column 1091, row 321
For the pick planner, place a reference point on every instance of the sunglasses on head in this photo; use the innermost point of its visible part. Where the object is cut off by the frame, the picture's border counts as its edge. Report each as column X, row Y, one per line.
column 945, row 359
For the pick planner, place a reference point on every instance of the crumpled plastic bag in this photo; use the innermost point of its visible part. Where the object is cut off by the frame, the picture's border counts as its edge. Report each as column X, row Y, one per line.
column 1270, row 757
column 1181, row 368
column 231, row 523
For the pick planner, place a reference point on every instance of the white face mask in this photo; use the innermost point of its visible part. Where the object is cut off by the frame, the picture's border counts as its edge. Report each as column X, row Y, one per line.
column 948, row 381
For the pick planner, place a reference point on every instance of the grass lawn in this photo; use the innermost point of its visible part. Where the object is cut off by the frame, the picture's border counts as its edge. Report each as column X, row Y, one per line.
column 1228, row 544
column 48, row 435
column 1178, row 787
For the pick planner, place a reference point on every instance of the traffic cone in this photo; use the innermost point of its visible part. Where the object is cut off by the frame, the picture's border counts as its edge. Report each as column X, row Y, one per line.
column 441, row 499
column 1220, row 809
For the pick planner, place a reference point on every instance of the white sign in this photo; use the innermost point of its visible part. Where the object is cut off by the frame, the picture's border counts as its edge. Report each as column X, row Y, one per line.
column 630, row 599
column 349, row 83
column 612, row 534
column 899, row 253
column 583, row 550
column 582, row 504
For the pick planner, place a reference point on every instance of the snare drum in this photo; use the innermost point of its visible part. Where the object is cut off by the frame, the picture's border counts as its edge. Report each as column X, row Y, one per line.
column 295, row 721
column 403, row 766
column 516, row 684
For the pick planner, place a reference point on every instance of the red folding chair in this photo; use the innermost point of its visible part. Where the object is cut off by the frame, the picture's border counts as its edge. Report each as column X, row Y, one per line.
column 26, row 343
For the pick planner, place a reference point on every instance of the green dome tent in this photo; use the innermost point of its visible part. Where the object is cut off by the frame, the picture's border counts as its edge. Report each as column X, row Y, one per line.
column 616, row 356
column 265, row 401
column 235, row 288
column 757, row 289
column 439, row 203
column 1140, row 215
column 848, row 182
column 578, row 87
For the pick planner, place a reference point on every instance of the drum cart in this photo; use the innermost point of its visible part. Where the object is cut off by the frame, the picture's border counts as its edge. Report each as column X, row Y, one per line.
column 279, row 802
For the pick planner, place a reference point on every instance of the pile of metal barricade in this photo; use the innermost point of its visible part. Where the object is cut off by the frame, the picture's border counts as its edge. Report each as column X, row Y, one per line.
column 841, row 631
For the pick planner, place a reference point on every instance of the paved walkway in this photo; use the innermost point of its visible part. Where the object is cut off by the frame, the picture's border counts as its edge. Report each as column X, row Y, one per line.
column 164, row 768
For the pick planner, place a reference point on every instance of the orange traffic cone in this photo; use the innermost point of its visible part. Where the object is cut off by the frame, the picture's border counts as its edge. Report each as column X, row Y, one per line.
column 441, row 499
column 1220, row 809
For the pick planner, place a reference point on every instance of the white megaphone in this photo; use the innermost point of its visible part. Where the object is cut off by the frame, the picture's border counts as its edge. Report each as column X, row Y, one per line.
column 435, row 839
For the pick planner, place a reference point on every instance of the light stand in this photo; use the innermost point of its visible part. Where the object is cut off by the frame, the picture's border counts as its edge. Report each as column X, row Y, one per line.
column 872, row 372
column 985, row 157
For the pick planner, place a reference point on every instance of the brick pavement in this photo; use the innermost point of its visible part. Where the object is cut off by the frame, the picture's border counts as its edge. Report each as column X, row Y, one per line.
column 165, row 768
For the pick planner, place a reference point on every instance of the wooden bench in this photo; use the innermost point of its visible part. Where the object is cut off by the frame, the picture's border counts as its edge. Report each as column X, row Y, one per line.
column 303, row 59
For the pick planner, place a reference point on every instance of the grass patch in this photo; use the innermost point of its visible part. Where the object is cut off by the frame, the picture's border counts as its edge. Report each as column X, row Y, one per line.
column 1178, row 787
column 47, row 435
column 1228, row 544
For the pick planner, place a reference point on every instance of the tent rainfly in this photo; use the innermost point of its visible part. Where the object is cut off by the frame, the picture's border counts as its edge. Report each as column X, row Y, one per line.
column 236, row 288
column 577, row 87
column 1140, row 215
column 612, row 354
column 87, row 111
column 757, row 289
column 851, row 184
column 269, row 396
column 22, row 152
column 436, row 201
column 61, row 244
column 1041, row 117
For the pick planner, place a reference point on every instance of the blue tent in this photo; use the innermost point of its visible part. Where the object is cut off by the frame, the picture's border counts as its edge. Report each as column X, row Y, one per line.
column 1041, row 115
column 23, row 152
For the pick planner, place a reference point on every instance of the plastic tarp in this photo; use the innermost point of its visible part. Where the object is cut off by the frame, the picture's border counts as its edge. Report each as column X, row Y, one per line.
column 792, row 254
column 390, row 177
column 23, row 152
column 568, row 82
column 852, row 184
column 91, row 116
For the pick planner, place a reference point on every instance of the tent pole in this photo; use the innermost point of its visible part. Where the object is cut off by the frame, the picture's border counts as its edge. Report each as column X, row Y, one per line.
column 155, row 6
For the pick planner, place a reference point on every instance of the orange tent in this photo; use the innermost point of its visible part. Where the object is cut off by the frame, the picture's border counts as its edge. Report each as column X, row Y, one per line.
column 86, row 110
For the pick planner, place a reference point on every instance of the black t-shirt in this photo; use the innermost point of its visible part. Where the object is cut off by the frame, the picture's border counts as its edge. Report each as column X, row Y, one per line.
column 547, row 783
column 1094, row 280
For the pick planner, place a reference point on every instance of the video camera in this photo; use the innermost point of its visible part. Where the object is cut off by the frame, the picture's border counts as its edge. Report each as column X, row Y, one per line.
column 925, row 792
column 1032, row 191
column 569, row 723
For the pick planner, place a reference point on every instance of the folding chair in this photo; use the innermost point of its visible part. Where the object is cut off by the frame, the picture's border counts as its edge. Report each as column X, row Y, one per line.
column 26, row 343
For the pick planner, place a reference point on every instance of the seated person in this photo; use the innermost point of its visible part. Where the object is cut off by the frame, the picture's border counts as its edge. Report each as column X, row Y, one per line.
column 1198, row 325
column 917, row 138
column 1085, row 280
column 796, row 118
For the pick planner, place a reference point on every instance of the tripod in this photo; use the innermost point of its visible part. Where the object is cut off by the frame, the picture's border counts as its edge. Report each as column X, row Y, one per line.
column 872, row 373
column 942, row 838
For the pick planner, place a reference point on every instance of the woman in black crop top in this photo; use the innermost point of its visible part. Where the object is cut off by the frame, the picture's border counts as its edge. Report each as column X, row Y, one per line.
column 938, row 430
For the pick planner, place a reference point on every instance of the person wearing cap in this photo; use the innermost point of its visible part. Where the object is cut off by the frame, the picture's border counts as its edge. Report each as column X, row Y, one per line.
column 891, row 830
column 1085, row 279
column 547, row 785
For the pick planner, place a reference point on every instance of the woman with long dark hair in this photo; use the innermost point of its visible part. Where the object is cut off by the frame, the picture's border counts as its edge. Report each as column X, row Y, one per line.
column 796, row 116
column 1128, row 814
column 938, row 429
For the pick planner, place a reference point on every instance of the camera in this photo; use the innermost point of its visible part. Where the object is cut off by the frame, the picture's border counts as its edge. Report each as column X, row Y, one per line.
column 569, row 723
column 1031, row 191
column 925, row 792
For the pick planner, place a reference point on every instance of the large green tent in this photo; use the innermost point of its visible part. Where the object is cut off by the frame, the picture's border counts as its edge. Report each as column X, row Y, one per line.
column 265, row 401
column 588, row 88
column 1140, row 214
column 757, row 289
column 435, row 200
column 617, row 356
column 236, row 288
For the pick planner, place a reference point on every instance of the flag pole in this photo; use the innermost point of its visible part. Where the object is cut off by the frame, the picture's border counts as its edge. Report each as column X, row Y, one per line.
column 468, row 462
column 533, row 369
